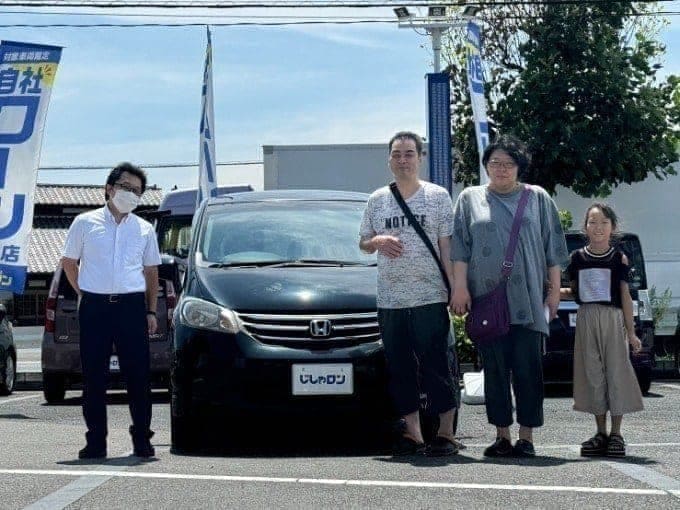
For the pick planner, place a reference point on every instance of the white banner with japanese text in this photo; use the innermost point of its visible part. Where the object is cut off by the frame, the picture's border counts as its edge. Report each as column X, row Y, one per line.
column 27, row 73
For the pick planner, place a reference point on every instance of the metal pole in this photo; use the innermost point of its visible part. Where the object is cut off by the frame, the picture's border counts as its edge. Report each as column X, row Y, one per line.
column 436, row 34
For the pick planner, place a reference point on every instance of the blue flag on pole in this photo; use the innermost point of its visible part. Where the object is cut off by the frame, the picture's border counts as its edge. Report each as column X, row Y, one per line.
column 207, row 178
column 476, row 86
column 27, row 73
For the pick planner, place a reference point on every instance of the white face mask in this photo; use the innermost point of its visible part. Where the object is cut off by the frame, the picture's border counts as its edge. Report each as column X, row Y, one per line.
column 125, row 201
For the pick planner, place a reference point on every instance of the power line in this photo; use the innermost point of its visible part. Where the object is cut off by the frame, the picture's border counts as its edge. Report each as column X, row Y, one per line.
column 147, row 166
column 260, row 23
column 290, row 4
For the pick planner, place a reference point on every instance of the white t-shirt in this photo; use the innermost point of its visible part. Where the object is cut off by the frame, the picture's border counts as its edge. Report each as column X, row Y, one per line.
column 413, row 279
column 112, row 255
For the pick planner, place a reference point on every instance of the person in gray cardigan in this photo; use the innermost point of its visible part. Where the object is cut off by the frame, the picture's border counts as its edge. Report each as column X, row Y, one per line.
column 483, row 217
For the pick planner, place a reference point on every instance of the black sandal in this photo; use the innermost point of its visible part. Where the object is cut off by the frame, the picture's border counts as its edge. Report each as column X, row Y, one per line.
column 595, row 446
column 616, row 446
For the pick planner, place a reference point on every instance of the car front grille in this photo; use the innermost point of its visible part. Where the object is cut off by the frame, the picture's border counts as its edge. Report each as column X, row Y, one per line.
column 312, row 331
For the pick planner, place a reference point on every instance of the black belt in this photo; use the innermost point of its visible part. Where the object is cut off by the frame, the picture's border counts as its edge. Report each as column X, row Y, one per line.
column 112, row 298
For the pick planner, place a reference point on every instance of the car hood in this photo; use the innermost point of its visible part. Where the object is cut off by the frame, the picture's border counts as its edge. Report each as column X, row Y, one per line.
column 351, row 288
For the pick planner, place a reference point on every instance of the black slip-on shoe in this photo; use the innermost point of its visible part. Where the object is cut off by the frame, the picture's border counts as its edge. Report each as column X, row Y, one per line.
column 441, row 447
column 407, row 446
column 92, row 453
column 523, row 448
column 501, row 447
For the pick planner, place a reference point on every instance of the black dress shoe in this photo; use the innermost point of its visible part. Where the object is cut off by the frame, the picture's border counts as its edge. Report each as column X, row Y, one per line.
column 144, row 451
column 501, row 447
column 524, row 448
column 92, row 453
column 142, row 446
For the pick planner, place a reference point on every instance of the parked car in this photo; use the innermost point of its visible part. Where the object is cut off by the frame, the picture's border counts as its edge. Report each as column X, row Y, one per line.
column 61, row 368
column 278, row 312
column 558, row 359
column 61, row 348
column 8, row 354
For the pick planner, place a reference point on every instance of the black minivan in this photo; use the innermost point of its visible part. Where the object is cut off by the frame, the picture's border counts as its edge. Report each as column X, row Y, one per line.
column 278, row 310
column 558, row 359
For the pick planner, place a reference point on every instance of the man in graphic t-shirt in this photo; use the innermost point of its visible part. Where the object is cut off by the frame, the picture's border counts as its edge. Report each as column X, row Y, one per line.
column 412, row 295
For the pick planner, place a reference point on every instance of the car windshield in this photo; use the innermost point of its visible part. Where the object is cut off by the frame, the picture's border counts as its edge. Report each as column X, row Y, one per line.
column 629, row 244
column 281, row 231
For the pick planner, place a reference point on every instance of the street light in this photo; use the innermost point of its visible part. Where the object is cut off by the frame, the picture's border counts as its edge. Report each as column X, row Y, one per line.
column 402, row 13
column 436, row 23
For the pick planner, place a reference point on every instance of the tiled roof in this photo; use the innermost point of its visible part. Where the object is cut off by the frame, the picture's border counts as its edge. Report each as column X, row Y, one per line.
column 85, row 195
column 44, row 249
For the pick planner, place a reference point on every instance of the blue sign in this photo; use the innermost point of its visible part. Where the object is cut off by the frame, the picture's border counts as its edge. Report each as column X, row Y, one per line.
column 439, row 129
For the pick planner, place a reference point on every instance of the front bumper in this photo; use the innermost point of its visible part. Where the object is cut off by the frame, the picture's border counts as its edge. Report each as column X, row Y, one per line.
column 237, row 372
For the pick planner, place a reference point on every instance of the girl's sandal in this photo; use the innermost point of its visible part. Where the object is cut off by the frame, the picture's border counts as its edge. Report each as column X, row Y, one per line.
column 616, row 446
column 595, row 446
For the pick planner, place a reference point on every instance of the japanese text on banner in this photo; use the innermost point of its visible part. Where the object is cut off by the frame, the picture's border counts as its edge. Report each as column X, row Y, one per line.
column 27, row 73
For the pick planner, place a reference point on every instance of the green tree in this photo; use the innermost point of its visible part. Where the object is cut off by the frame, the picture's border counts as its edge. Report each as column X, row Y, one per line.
column 579, row 83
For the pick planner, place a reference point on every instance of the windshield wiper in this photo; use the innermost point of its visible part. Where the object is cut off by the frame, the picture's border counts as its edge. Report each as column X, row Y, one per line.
column 321, row 262
column 291, row 263
column 245, row 264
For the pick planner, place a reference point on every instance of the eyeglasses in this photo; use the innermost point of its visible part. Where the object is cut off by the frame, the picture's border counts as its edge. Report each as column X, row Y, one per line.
column 127, row 187
column 496, row 164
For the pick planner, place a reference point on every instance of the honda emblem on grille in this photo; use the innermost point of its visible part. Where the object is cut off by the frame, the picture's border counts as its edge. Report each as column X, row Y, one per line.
column 320, row 327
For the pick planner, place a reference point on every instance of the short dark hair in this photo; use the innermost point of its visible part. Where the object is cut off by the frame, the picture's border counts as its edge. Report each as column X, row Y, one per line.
column 407, row 135
column 608, row 212
column 515, row 148
column 115, row 174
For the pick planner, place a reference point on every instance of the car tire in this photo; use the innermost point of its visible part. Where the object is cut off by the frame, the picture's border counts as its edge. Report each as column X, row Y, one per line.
column 183, row 419
column 644, row 378
column 9, row 374
column 54, row 388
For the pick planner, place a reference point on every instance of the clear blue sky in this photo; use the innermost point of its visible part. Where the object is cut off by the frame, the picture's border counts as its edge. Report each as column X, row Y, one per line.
column 134, row 93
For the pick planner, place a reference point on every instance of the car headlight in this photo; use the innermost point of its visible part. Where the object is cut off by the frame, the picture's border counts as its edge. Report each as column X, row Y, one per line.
column 205, row 315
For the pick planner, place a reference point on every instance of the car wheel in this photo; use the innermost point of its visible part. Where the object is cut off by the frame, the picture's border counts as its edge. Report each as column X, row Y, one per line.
column 54, row 388
column 644, row 378
column 9, row 375
column 183, row 420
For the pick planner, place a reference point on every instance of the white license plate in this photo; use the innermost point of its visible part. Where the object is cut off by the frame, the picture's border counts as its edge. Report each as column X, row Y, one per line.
column 572, row 320
column 323, row 379
column 114, row 364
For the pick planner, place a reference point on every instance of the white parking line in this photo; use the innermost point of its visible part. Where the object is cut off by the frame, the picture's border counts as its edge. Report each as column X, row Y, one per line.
column 10, row 400
column 648, row 476
column 673, row 386
column 107, row 474
column 80, row 487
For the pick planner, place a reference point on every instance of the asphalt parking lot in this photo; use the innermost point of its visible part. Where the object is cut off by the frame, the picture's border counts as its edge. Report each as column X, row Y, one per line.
column 317, row 462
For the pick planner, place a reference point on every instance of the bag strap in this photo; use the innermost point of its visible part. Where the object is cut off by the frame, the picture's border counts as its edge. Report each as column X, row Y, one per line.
column 419, row 229
column 514, row 233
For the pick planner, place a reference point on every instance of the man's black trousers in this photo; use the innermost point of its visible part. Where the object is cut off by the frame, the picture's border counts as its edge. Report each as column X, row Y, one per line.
column 416, row 342
column 106, row 320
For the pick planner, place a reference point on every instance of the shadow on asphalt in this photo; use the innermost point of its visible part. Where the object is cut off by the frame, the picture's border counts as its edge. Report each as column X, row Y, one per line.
column 127, row 460
column 113, row 398
column 312, row 436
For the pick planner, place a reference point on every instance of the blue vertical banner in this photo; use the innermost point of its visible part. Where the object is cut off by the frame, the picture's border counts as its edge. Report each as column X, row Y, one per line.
column 27, row 73
column 439, row 129
column 207, row 177
column 476, row 86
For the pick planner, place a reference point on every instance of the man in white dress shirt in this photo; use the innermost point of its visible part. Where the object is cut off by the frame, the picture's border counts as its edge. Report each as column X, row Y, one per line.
column 111, row 259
